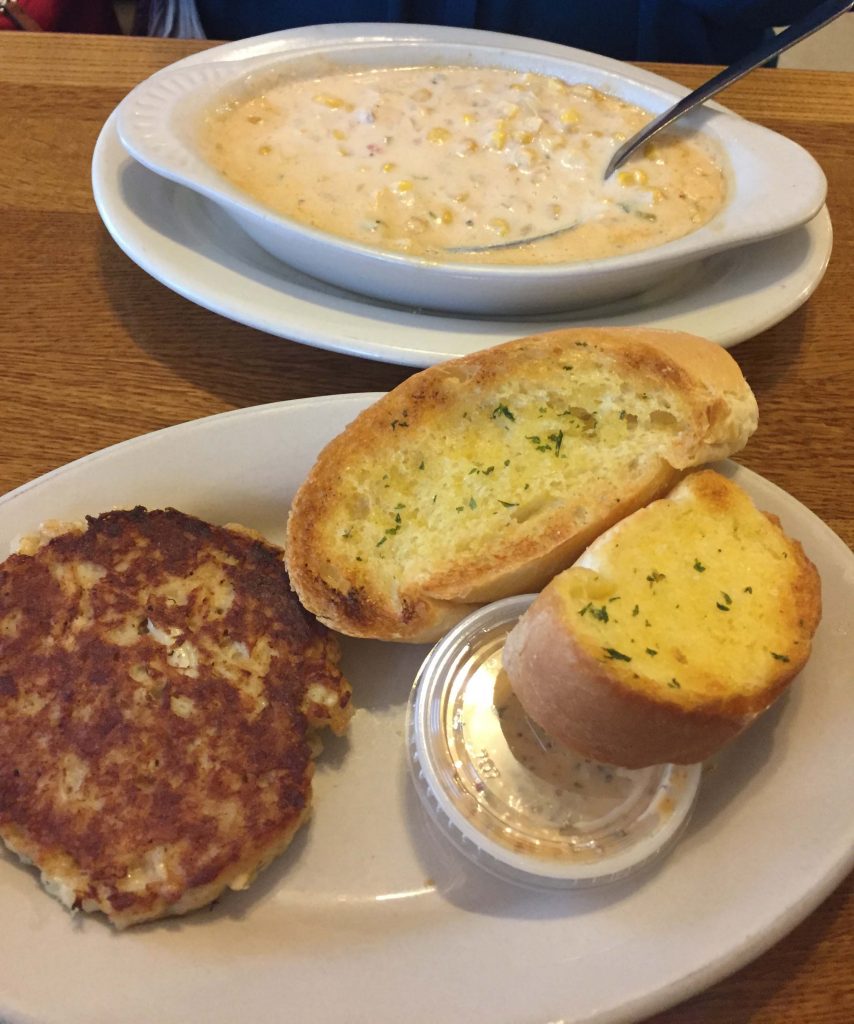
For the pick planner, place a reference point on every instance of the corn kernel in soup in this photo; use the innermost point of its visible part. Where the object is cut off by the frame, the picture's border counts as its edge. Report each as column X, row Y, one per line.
column 464, row 163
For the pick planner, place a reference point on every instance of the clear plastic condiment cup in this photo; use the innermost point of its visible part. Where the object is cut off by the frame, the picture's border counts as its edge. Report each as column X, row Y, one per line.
column 522, row 806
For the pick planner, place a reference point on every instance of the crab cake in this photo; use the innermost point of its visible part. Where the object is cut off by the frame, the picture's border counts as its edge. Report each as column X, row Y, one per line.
column 160, row 685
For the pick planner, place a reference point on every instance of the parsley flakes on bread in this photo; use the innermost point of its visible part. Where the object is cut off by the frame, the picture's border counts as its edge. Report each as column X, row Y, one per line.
column 672, row 632
column 486, row 475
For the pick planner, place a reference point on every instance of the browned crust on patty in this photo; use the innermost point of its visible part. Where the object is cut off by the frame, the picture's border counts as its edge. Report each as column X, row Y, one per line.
column 118, row 762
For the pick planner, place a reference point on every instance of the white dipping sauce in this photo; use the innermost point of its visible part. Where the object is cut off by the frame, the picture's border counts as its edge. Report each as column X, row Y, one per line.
column 441, row 163
column 510, row 798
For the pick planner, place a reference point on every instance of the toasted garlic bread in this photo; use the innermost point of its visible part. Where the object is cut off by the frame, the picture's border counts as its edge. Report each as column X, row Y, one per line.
column 484, row 476
column 159, row 688
column 671, row 633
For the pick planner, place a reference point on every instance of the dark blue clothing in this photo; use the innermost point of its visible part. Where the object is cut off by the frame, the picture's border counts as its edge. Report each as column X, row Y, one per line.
column 697, row 31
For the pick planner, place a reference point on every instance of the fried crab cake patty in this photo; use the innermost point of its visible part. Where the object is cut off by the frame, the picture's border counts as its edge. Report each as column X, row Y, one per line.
column 159, row 688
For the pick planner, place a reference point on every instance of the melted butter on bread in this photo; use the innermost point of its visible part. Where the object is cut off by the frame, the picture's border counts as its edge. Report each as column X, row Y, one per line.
column 671, row 633
column 484, row 476
column 692, row 603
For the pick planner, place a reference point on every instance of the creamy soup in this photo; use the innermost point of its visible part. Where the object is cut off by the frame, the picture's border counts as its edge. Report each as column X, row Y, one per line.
column 463, row 163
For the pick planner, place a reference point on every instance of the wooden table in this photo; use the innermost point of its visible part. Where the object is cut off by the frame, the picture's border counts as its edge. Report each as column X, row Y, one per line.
column 94, row 351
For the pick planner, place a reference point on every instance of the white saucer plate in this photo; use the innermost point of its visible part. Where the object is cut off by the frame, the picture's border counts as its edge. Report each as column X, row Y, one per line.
column 773, row 184
column 188, row 244
column 372, row 916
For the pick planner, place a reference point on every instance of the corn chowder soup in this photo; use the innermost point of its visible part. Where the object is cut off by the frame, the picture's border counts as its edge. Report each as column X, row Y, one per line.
column 471, row 164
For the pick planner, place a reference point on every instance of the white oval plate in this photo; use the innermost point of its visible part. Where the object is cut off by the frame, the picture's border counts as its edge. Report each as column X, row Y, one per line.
column 187, row 243
column 774, row 185
column 374, row 918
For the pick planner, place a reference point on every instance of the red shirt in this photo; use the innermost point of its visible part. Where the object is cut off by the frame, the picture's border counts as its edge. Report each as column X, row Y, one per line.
column 68, row 15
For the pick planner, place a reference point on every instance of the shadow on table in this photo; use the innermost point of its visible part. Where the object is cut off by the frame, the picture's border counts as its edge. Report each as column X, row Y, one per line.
column 244, row 366
column 240, row 365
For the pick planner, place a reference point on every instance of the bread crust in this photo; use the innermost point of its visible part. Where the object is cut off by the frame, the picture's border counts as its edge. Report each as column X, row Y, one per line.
column 580, row 704
column 585, row 702
column 722, row 416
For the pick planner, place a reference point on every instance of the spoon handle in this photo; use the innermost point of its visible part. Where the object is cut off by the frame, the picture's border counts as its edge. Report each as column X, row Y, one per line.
column 816, row 19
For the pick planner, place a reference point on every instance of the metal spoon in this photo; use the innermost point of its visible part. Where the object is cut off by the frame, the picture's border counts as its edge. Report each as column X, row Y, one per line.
column 530, row 240
column 816, row 19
